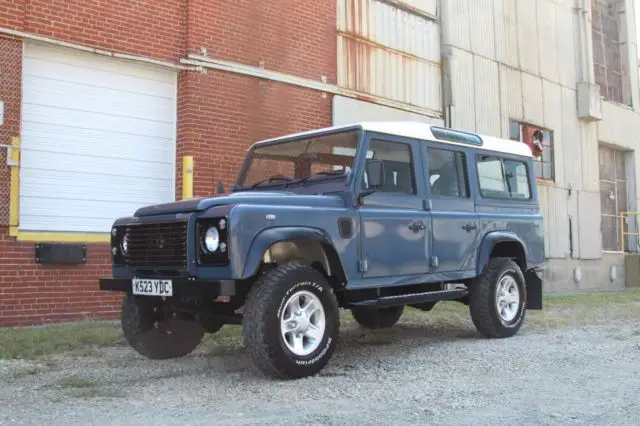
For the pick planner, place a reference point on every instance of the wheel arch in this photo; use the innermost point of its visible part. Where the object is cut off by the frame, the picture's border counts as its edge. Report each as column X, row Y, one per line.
column 286, row 244
column 501, row 244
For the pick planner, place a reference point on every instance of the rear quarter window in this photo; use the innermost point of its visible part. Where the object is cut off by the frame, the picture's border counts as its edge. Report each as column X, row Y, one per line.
column 503, row 178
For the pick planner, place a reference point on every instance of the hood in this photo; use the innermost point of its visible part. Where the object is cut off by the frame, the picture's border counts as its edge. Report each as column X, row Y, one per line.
column 279, row 198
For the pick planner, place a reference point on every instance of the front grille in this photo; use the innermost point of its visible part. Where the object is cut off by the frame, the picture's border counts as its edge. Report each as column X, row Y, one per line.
column 157, row 245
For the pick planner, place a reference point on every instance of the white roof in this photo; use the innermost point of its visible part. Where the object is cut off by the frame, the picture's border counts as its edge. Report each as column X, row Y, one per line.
column 419, row 130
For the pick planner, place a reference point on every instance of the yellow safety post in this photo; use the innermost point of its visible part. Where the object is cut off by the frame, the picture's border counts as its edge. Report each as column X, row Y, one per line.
column 187, row 177
column 14, row 188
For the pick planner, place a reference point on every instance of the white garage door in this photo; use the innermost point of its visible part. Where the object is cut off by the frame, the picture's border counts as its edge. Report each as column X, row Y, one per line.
column 98, row 137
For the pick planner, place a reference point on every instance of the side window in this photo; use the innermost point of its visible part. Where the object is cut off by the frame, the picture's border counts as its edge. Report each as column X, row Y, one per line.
column 447, row 173
column 398, row 166
column 503, row 179
column 517, row 179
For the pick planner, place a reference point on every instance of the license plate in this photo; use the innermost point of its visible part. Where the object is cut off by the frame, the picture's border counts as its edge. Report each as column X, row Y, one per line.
column 147, row 287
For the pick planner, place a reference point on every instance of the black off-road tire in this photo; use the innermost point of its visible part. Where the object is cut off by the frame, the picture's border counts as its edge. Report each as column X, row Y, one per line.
column 172, row 339
column 375, row 318
column 482, row 300
column 261, row 322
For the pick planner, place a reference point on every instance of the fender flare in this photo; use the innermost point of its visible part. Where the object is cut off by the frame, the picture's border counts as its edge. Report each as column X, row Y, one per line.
column 270, row 236
column 488, row 243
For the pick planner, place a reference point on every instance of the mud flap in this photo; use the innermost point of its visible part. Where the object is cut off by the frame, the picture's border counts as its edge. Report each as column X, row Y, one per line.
column 534, row 290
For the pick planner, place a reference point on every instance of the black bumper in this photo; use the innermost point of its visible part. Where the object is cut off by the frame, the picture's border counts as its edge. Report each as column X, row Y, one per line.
column 182, row 287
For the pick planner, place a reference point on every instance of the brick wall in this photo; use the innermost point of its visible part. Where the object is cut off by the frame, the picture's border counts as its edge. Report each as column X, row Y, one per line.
column 219, row 114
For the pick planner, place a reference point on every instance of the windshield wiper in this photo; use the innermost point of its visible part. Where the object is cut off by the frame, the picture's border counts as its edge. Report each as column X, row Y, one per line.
column 323, row 173
column 272, row 178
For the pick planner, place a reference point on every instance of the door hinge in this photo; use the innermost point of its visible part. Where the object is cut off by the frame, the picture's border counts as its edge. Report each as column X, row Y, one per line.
column 363, row 266
column 434, row 261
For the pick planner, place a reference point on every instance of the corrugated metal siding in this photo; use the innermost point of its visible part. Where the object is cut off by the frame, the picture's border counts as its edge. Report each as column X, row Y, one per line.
column 510, row 96
column 566, row 46
column 543, row 195
column 590, row 163
column 558, row 218
column 487, row 96
column 589, row 224
column 455, row 29
column 482, row 28
column 505, row 18
column 389, row 52
column 528, row 36
column 532, row 98
column 462, row 83
column 570, row 141
column 552, row 97
column 548, row 36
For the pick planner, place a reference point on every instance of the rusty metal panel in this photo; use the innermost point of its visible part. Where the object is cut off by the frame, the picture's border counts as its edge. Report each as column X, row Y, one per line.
column 487, row 95
column 532, row 98
column 389, row 52
column 552, row 101
column 571, row 136
column 482, row 28
column 506, row 24
column 528, row 36
column 547, row 35
column 462, row 86
column 510, row 96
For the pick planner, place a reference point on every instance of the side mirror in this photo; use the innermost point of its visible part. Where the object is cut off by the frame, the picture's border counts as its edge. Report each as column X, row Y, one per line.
column 375, row 173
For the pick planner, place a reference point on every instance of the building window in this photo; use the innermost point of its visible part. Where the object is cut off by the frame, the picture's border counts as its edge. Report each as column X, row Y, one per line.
column 613, row 196
column 607, row 51
column 540, row 140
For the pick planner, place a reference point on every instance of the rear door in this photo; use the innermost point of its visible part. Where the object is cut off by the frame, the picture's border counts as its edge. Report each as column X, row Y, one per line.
column 454, row 221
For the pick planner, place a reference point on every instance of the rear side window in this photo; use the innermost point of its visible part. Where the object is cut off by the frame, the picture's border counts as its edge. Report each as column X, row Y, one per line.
column 501, row 178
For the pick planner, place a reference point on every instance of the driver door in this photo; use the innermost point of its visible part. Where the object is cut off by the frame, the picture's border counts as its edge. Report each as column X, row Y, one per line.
column 395, row 227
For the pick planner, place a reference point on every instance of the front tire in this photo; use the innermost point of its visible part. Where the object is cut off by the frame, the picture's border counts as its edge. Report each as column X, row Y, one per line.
column 291, row 322
column 497, row 301
column 375, row 318
column 154, row 332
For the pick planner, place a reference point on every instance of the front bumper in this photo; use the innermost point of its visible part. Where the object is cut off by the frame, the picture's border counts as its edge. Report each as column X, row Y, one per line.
column 182, row 287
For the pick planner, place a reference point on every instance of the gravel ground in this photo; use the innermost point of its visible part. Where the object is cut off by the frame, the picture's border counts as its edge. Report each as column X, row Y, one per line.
column 405, row 375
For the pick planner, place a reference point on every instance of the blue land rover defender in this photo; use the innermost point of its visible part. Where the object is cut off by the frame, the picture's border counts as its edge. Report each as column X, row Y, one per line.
column 370, row 217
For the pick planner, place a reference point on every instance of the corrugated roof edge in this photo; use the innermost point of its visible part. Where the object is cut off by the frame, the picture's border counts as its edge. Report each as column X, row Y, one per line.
column 417, row 130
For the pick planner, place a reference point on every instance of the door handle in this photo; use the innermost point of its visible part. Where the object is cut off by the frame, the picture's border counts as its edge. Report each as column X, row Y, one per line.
column 469, row 227
column 416, row 226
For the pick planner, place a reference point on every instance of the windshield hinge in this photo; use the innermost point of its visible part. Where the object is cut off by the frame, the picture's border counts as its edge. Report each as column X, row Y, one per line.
column 363, row 266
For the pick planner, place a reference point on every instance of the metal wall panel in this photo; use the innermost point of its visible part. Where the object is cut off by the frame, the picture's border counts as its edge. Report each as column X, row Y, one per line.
column 506, row 32
column 481, row 30
column 456, row 24
column 543, row 196
column 557, row 215
column 348, row 110
column 389, row 52
column 528, row 36
column 566, row 46
column 487, row 96
column 427, row 6
column 552, row 98
column 463, row 109
column 589, row 225
column 589, row 151
column 510, row 96
column 571, row 140
column 547, row 35
column 532, row 98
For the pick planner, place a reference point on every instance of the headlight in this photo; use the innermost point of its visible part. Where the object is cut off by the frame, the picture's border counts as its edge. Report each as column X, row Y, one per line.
column 211, row 239
column 124, row 244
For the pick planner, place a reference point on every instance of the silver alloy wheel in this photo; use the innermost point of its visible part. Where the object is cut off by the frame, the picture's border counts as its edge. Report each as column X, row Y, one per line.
column 507, row 298
column 303, row 323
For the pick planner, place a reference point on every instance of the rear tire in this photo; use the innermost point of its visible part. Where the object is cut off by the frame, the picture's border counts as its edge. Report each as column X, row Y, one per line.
column 497, row 300
column 375, row 318
column 291, row 322
column 150, row 333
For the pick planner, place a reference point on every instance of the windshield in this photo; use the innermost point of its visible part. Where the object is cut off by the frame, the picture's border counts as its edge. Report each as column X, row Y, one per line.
column 299, row 161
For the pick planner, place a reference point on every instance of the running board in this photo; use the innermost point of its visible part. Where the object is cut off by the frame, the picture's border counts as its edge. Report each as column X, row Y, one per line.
column 414, row 298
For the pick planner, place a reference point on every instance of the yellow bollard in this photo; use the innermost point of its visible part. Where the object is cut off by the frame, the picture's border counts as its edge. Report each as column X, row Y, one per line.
column 187, row 177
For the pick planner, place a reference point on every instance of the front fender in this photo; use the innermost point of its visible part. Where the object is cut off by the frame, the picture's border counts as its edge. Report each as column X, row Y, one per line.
column 490, row 240
column 270, row 236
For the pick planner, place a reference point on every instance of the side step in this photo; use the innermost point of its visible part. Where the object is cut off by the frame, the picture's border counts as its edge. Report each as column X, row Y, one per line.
column 414, row 298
